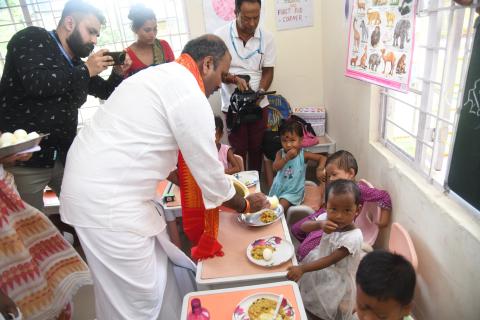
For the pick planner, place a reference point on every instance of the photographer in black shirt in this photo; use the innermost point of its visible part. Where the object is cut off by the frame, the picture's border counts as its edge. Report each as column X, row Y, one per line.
column 43, row 84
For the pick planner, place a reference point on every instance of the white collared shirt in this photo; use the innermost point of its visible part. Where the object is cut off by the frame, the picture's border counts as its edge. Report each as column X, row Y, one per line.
column 258, row 52
column 115, row 163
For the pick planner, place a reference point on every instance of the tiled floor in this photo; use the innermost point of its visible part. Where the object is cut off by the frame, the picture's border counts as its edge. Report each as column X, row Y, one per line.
column 84, row 304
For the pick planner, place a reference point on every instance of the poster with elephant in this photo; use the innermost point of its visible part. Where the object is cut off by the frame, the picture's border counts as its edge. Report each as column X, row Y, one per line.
column 380, row 42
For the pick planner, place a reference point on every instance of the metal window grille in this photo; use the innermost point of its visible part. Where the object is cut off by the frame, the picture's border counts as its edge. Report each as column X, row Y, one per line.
column 116, row 35
column 419, row 125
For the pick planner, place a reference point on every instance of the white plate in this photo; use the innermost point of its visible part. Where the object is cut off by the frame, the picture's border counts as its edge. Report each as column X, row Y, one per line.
column 248, row 178
column 241, row 311
column 253, row 219
column 283, row 251
column 22, row 146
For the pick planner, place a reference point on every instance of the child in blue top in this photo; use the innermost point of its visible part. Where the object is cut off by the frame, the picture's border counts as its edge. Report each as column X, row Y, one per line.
column 289, row 183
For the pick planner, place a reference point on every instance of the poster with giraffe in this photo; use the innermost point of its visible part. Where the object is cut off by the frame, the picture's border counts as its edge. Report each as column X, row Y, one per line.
column 380, row 42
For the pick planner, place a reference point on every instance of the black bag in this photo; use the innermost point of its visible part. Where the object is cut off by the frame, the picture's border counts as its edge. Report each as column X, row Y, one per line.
column 243, row 108
column 271, row 143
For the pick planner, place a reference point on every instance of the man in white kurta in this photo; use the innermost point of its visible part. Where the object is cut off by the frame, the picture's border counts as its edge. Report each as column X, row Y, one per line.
column 111, row 174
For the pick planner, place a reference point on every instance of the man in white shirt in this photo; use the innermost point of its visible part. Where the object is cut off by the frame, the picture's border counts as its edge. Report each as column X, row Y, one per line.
column 115, row 164
column 253, row 54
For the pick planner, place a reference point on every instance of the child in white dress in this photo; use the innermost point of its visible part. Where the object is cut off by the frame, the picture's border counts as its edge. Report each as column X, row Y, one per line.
column 327, row 274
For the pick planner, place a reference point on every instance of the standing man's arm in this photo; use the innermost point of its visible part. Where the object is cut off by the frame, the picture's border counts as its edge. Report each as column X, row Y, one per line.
column 101, row 88
column 31, row 56
column 267, row 78
column 269, row 59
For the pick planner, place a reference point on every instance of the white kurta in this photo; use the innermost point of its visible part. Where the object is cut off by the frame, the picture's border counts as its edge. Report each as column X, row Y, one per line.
column 111, row 175
column 249, row 59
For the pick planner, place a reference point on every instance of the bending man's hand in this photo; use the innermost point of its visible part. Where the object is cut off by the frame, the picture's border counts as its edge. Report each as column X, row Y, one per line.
column 258, row 201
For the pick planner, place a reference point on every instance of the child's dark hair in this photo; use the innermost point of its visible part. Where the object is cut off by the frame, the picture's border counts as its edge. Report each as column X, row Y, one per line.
column 344, row 160
column 291, row 126
column 386, row 275
column 218, row 124
column 139, row 13
column 343, row 186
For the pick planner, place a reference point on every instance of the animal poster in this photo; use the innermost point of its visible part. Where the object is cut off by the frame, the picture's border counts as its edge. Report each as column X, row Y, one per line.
column 292, row 14
column 381, row 41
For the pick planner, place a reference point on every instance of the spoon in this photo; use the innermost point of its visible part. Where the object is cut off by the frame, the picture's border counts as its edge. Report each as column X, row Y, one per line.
column 277, row 308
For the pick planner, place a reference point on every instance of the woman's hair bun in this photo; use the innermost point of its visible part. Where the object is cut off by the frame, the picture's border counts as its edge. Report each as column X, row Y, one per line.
column 139, row 13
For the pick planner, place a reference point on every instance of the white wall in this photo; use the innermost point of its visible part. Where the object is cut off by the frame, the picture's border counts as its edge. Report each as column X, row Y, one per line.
column 298, row 70
column 446, row 236
column 309, row 71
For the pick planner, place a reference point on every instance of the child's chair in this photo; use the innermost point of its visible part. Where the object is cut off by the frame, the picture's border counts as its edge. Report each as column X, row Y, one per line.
column 401, row 243
column 312, row 202
column 239, row 161
column 365, row 221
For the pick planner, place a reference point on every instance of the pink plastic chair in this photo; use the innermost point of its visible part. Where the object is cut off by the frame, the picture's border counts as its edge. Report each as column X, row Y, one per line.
column 366, row 221
column 401, row 243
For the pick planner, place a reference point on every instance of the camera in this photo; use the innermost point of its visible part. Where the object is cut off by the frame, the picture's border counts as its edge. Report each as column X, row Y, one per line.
column 117, row 56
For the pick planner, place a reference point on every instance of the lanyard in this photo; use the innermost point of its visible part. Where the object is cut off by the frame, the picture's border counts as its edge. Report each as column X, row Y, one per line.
column 251, row 54
column 61, row 48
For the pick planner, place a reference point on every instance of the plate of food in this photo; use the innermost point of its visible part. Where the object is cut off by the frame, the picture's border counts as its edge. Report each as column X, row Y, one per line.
column 261, row 306
column 248, row 178
column 19, row 141
column 269, row 251
column 261, row 218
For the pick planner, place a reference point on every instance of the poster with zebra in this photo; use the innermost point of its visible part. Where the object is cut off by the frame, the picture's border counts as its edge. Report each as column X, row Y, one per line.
column 380, row 42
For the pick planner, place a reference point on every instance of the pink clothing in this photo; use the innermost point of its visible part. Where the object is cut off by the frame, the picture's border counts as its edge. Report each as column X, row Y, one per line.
column 312, row 239
column 222, row 155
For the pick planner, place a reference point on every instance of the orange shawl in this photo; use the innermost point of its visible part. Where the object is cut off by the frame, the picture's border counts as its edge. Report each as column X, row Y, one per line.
column 200, row 225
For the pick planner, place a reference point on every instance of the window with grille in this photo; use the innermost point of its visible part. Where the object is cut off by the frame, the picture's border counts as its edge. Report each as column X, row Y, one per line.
column 115, row 36
column 419, row 126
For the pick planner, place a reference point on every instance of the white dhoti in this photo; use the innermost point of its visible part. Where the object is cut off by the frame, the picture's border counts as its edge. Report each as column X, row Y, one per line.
column 133, row 275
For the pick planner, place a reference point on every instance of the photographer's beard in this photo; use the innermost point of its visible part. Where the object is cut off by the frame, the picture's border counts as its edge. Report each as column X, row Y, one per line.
column 78, row 47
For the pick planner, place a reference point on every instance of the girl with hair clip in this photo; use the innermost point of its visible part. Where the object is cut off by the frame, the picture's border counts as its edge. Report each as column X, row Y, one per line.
column 289, row 183
column 340, row 165
column 147, row 50
column 326, row 276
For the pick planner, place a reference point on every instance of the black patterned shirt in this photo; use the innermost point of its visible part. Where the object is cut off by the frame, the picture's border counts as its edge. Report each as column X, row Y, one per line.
column 41, row 91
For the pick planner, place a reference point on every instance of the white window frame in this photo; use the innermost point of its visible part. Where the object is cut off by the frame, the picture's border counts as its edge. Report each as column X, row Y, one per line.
column 441, row 116
column 168, row 12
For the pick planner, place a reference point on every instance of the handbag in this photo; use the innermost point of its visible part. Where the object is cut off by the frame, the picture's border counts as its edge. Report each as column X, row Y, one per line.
column 309, row 139
column 309, row 136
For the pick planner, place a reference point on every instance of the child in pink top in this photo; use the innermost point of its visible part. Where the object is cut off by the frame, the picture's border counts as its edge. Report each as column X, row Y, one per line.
column 225, row 152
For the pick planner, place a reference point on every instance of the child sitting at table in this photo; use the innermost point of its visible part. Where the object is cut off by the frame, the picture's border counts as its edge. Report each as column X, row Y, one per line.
column 225, row 152
column 385, row 287
column 326, row 275
column 289, row 183
column 339, row 165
